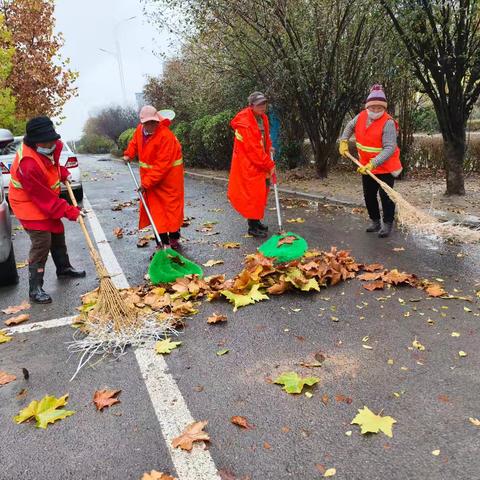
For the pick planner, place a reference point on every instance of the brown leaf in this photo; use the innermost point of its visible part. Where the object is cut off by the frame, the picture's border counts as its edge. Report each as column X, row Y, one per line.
column 371, row 286
column 16, row 320
column 18, row 308
column 217, row 318
column 266, row 446
column 118, row 232
column 285, row 429
column 22, row 394
column 435, row 290
column 288, row 240
column 370, row 276
column 278, row 288
column 154, row 475
column 325, row 399
column 373, row 267
column 6, row 378
column 226, row 475
column 105, row 398
column 395, row 277
column 343, row 398
column 443, row 398
column 143, row 242
column 241, row 422
column 193, row 433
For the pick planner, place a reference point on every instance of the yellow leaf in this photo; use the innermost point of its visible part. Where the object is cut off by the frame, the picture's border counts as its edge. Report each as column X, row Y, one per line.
column 436, row 453
column 166, row 346
column 367, row 347
column 390, row 361
column 4, row 338
column 371, row 423
column 239, row 300
column 461, row 353
column 475, row 421
column 230, row 245
column 212, row 263
column 296, row 220
column 44, row 411
column 418, row 345
column 455, row 334
column 330, row 472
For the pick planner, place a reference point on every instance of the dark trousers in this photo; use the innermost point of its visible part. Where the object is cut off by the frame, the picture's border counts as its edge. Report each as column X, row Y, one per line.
column 165, row 237
column 370, row 192
column 42, row 243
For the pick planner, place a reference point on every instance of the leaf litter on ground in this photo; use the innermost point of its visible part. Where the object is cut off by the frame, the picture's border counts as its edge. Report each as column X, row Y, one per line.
column 105, row 398
column 192, row 433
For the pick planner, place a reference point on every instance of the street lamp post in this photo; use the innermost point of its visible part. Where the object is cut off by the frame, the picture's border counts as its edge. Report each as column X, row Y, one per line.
column 118, row 56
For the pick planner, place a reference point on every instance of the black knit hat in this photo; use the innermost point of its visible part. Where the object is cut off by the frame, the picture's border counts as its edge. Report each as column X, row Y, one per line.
column 40, row 130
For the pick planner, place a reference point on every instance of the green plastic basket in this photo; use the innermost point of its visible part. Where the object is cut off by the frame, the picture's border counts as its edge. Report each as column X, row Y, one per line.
column 286, row 252
column 168, row 265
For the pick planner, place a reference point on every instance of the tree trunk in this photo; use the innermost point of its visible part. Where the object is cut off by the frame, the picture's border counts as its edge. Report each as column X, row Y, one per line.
column 454, row 149
column 324, row 154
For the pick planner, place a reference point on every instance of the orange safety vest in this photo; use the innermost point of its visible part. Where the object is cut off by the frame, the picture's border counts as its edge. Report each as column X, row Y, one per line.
column 369, row 143
column 20, row 201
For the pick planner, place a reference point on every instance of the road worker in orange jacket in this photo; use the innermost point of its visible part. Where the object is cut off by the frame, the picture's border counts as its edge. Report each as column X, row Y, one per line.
column 34, row 194
column 252, row 163
column 161, row 174
column 376, row 137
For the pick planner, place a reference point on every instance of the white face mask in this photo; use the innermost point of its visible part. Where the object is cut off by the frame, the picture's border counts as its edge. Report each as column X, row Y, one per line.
column 46, row 151
column 375, row 115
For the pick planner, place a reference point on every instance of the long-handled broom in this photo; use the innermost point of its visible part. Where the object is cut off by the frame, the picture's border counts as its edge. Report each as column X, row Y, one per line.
column 417, row 220
column 167, row 265
column 112, row 324
column 286, row 246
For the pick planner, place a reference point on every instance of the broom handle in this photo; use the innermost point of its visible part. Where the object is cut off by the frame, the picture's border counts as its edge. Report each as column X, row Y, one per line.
column 356, row 162
column 277, row 202
column 92, row 249
column 147, row 210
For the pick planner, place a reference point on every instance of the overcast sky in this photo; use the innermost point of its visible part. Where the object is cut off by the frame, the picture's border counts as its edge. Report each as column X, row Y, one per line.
column 89, row 25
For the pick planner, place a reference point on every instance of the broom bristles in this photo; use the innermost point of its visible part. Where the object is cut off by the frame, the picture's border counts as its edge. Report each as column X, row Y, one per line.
column 421, row 222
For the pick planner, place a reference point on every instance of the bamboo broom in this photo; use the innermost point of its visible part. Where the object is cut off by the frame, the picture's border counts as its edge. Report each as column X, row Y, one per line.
column 110, row 306
column 417, row 220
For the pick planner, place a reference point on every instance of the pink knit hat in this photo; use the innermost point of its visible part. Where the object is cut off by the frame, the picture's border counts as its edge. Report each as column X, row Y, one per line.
column 376, row 97
column 149, row 113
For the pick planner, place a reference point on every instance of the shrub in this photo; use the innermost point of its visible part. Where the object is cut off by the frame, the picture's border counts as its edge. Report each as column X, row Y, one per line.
column 124, row 139
column 197, row 154
column 425, row 120
column 182, row 132
column 217, row 138
column 92, row 143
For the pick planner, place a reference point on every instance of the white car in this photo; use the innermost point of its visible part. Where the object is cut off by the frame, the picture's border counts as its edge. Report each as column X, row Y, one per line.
column 67, row 158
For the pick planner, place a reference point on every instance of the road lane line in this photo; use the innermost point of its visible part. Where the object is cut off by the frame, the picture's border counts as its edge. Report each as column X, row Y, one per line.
column 169, row 405
column 33, row 327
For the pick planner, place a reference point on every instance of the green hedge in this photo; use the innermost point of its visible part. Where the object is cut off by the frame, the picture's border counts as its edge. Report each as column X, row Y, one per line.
column 95, row 144
column 124, row 139
column 207, row 141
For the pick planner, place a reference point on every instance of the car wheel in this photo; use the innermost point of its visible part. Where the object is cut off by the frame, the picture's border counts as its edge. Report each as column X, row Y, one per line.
column 78, row 194
column 8, row 270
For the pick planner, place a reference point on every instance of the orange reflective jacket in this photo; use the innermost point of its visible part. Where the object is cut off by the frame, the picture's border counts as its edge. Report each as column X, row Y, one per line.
column 161, row 174
column 369, row 143
column 20, row 201
column 251, row 163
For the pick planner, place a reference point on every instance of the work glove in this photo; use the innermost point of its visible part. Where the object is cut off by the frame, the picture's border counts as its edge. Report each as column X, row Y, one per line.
column 343, row 147
column 126, row 159
column 364, row 169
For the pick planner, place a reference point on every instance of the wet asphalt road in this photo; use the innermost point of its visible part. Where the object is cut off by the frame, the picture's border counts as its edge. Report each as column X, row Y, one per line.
column 294, row 436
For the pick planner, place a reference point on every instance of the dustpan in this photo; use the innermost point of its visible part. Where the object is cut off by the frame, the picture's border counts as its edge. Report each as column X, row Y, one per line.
column 167, row 265
column 286, row 246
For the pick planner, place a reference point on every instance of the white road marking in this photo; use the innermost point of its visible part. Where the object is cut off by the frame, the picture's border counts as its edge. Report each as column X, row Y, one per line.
column 33, row 327
column 169, row 405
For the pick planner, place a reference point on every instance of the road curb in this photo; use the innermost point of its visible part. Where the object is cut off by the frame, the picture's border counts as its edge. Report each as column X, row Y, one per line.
column 470, row 221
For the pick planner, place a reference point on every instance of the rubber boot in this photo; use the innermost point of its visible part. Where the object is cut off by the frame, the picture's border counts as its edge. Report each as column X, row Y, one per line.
column 36, row 292
column 386, row 230
column 374, row 227
column 255, row 230
column 262, row 226
column 62, row 262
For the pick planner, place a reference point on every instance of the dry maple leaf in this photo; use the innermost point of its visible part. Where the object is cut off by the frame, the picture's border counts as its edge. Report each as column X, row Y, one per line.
column 435, row 290
column 154, row 475
column 288, row 240
column 368, row 277
column 105, row 398
column 6, row 378
column 395, row 277
column 343, row 398
column 371, row 286
column 18, row 308
column 118, row 232
column 217, row 318
column 193, row 433
column 16, row 320
column 241, row 422
column 373, row 267
column 278, row 288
